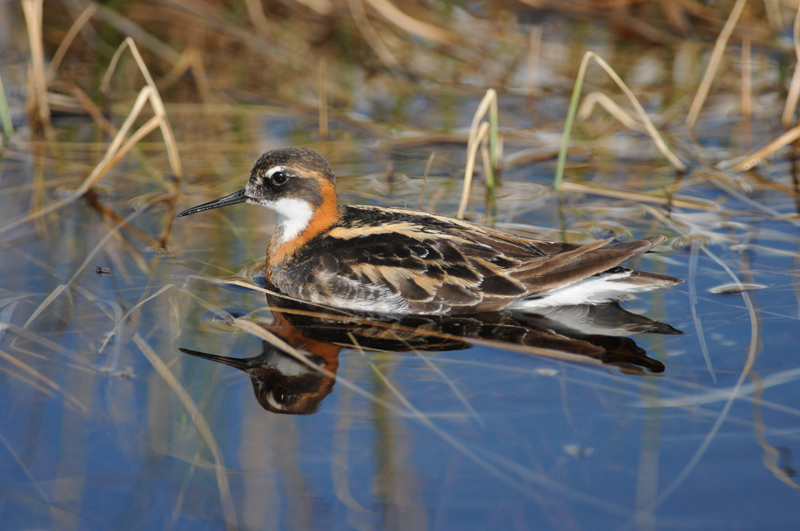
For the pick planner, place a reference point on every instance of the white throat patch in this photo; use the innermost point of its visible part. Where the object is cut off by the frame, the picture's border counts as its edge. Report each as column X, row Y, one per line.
column 294, row 215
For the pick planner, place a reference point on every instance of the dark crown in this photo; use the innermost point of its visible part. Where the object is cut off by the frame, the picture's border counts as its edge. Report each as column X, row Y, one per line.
column 299, row 157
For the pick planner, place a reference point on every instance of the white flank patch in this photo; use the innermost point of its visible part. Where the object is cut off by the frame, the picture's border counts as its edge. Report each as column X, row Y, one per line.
column 592, row 290
column 364, row 297
column 294, row 215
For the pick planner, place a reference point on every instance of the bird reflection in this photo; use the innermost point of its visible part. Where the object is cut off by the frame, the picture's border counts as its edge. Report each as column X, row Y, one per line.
column 284, row 383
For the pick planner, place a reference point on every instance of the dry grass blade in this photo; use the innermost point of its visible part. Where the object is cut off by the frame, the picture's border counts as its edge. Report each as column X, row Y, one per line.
column 38, row 339
column 491, row 461
column 130, row 312
column 61, row 288
column 472, row 153
column 648, row 124
column 155, row 101
column 323, row 99
column 713, row 63
column 599, row 98
column 108, row 162
column 534, row 58
column 772, row 455
column 773, row 9
column 9, row 305
column 393, row 15
column 723, row 184
column 113, row 157
column 696, row 319
column 39, row 377
column 573, row 108
column 487, row 104
column 25, row 470
column 794, row 88
column 477, row 133
column 371, row 36
column 639, row 197
column 66, row 42
column 228, row 508
column 784, row 140
column 256, row 13
column 119, row 146
column 90, row 108
column 747, row 88
column 45, row 303
column 127, row 27
column 425, row 179
column 37, row 99
column 720, row 394
column 190, row 62
column 737, row 389
column 471, row 411
column 322, row 7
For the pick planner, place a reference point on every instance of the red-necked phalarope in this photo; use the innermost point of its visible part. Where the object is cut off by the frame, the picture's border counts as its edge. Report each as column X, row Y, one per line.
column 392, row 260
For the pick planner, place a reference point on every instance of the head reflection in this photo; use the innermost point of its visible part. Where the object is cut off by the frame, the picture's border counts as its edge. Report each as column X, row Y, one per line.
column 283, row 383
column 295, row 380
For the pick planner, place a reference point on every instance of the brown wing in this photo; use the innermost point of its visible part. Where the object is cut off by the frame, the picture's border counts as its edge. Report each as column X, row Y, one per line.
column 431, row 275
column 584, row 261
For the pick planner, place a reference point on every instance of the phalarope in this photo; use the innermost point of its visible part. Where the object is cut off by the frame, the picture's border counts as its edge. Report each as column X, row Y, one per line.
column 392, row 260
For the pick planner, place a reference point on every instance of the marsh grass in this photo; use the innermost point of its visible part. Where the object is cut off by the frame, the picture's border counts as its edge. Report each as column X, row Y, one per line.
column 5, row 115
column 479, row 132
column 573, row 109
column 38, row 106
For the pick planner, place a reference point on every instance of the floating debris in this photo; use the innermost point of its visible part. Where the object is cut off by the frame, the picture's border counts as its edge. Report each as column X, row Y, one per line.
column 735, row 287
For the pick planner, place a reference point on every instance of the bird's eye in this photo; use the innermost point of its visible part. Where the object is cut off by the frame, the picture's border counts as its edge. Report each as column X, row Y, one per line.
column 279, row 178
column 280, row 394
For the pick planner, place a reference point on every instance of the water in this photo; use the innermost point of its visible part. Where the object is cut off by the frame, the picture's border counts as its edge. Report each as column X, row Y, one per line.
column 493, row 422
column 487, row 436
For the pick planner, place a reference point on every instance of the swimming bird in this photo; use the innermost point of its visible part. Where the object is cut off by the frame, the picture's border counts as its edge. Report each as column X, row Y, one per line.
column 401, row 261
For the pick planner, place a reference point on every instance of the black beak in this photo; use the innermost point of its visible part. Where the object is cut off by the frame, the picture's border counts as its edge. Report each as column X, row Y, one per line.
column 234, row 198
column 238, row 363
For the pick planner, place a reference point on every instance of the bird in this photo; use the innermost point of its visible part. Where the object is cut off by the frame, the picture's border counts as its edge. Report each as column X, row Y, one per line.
column 401, row 261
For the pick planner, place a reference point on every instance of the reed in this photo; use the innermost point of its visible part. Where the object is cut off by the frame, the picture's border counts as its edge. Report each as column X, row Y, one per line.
column 573, row 109
column 38, row 106
column 122, row 144
column 714, row 63
column 478, row 132
column 792, row 97
column 5, row 115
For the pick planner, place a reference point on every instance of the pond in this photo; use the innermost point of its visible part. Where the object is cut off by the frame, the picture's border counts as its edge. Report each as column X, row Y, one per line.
column 151, row 379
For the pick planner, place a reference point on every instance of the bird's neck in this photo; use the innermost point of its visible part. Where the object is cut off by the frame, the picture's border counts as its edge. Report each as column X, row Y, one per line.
column 300, row 221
